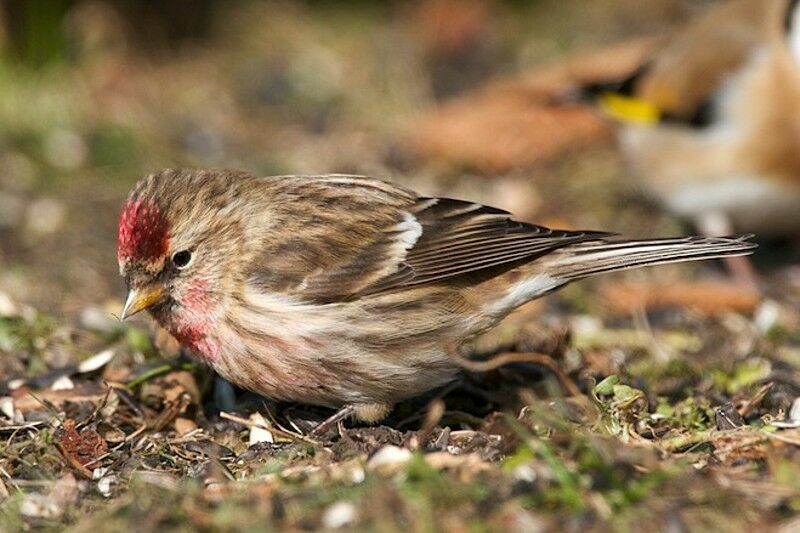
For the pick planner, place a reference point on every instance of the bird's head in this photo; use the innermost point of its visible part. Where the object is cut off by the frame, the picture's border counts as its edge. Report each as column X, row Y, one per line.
column 177, row 233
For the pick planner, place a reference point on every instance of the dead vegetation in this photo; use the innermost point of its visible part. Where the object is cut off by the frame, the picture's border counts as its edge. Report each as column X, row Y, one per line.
column 692, row 420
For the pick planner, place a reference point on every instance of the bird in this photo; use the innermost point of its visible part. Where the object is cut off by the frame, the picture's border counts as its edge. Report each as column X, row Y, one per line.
column 345, row 291
column 710, row 124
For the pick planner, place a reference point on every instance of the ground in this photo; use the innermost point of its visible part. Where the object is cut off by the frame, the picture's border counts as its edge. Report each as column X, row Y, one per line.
column 665, row 399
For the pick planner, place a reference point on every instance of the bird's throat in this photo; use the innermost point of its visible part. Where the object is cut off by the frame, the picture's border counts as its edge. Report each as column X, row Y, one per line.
column 193, row 331
column 196, row 337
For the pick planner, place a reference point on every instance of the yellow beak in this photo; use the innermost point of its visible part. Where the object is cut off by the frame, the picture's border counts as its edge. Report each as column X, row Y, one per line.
column 142, row 298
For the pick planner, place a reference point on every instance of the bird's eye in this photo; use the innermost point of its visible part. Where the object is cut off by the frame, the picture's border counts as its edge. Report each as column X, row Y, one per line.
column 182, row 258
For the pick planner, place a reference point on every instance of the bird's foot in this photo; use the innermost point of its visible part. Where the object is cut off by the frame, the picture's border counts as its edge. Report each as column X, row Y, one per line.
column 370, row 413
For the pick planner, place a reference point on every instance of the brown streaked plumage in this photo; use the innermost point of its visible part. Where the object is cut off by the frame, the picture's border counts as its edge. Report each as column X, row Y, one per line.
column 344, row 290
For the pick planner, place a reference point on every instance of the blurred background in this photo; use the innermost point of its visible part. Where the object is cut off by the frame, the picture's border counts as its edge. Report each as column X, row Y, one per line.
column 94, row 94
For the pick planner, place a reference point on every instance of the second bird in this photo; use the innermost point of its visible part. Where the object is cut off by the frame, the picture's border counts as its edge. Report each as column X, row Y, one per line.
column 714, row 130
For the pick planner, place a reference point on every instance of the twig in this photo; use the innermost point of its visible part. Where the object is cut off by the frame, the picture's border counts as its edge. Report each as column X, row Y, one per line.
column 277, row 431
column 274, row 422
column 191, row 436
column 27, row 425
column 512, row 357
column 744, row 410
column 135, row 433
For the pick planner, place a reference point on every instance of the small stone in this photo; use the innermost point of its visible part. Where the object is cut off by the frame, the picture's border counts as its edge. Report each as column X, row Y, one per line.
column 96, row 361
column 794, row 411
column 585, row 325
column 7, row 407
column 767, row 315
column 114, row 436
column 357, row 475
column 39, row 506
column 14, row 384
column 259, row 433
column 340, row 514
column 106, row 485
column 524, row 473
column 62, row 383
column 7, row 306
column 389, row 460
column 184, row 426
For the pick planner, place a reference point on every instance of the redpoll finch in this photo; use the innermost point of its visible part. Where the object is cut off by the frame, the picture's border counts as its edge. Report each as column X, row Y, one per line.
column 346, row 291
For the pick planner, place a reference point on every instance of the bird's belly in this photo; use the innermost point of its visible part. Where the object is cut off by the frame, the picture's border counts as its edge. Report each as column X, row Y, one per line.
column 694, row 174
column 331, row 371
column 371, row 351
column 752, row 204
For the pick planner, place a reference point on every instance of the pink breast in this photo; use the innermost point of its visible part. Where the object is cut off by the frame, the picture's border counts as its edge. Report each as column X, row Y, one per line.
column 196, row 337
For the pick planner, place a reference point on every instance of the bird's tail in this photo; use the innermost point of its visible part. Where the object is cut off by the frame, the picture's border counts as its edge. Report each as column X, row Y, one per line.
column 594, row 257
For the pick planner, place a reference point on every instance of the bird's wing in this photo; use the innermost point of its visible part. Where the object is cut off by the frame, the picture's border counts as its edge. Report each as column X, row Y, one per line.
column 342, row 237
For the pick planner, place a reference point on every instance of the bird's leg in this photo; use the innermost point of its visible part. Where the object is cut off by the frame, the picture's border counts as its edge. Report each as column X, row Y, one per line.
column 224, row 394
column 716, row 224
column 331, row 421
column 371, row 413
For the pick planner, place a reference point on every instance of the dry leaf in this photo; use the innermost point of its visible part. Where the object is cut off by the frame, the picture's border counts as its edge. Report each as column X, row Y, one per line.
column 704, row 296
column 518, row 121
column 80, row 447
